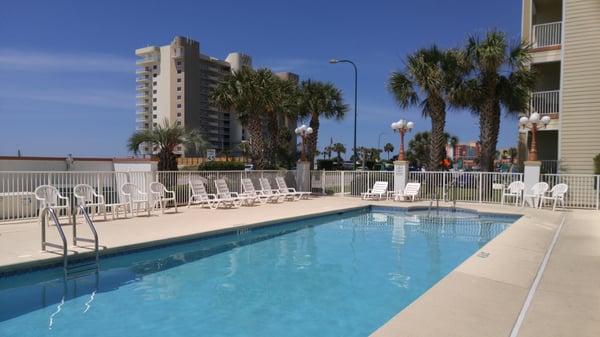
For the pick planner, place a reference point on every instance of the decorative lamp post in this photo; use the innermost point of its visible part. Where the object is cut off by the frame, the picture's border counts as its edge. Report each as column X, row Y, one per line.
column 402, row 127
column 303, row 131
column 534, row 122
column 335, row 61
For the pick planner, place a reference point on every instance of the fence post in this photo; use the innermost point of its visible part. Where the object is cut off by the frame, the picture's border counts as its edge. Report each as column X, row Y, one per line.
column 444, row 186
column 480, row 187
column 531, row 176
column 597, row 192
column 400, row 176
column 342, row 183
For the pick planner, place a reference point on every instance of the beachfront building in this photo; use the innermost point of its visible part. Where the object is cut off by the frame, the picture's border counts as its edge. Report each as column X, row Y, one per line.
column 173, row 84
column 566, row 56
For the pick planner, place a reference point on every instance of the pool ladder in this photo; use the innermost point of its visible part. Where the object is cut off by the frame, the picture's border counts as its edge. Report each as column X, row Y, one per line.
column 76, row 269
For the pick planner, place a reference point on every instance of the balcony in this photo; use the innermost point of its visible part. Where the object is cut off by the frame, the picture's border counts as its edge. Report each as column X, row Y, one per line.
column 142, row 72
column 142, row 95
column 547, row 35
column 142, row 87
column 147, row 60
column 546, row 102
column 143, row 79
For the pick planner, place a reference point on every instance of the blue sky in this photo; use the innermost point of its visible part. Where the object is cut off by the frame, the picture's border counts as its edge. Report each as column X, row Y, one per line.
column 67, row 68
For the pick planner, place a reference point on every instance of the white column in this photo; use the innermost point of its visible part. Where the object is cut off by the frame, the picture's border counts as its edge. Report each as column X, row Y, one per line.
column 400, row 176
column 303, row 176
column 531, row 176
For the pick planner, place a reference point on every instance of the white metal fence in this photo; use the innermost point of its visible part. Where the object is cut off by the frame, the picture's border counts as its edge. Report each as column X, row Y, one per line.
column 18, row 202
column 584, row 190
column 348, row 182
column 546, row 102
column 547, row 34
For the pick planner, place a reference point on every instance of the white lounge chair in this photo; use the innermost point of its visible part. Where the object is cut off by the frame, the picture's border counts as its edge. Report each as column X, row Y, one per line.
column 134, row 198
column 227, row 198
column 159, row 193
column 378, row 191
column 556, row 194
column 515, row 190
column 411, row 190
column 283, row 188
column 86, row 196
column 259, row 196
column 199, row 196
column 266, row 189
column 49, row 196
column 536, row 193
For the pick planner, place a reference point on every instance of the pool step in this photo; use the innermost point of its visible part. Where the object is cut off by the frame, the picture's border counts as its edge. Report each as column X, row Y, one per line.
column 81, row 269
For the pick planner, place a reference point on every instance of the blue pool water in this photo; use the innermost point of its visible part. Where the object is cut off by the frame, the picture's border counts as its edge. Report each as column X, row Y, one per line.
column 336, row 275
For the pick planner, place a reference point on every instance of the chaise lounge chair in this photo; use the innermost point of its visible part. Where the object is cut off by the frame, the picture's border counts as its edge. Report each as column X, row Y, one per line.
column 227, row 198
column 411, row 190
column 198, row 195
column 379, row 191
column 258, row 195
column 283, row 188
column 266, row 189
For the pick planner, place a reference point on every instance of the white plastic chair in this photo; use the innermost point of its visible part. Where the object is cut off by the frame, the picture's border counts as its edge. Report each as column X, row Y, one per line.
column 378, row 191
column 411, row 190
column 86, row 196
column 135, row 198
column 199, row 196
column 49, row 196
column 536, row 193
column 227, row 198
column 556, row 194
column 159, row 193
column 283, row 188
column 515, row 190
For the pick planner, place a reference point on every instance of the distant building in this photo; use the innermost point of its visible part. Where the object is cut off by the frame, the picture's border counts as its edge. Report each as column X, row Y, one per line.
column 566, row 57
column 173, row 84
column 464, row 156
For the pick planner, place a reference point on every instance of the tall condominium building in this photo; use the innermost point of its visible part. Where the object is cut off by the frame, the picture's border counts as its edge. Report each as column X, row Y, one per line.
column 565, row 36
column 173, row 83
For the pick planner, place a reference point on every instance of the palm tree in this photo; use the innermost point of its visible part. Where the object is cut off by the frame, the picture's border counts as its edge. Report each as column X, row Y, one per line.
column 419, row 147
column 338, row 148
column 315, row 100
column 327, row 152
column 388, row 148
column 244, row 91
column 453, row 142
column 429, row 78
column 165, row 138
column 500, row 79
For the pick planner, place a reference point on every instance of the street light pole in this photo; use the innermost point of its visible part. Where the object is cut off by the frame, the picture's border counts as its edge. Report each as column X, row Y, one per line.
column 402, row 127
column 333, row 61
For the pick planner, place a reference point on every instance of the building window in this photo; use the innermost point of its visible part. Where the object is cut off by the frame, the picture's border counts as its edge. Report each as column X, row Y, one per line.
column 154, row 108
column 154, row 75
column 154, row 91
column 178, row 96
column 178, row 123
column 178, row 106
column 178, row 63
column 146, row 125
column 155, row 67
column 179, row 148
column 154, row 100
column 154, row 116
column 179, row 80
column 154, row 83
column 179, row 71
column 178, row 88
column 179, row 114
column 155, row 124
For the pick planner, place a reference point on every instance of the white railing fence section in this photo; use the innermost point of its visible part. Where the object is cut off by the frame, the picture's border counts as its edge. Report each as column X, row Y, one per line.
column 348, row 182
column 546, row 102
column 584, row 190
column 547, row 34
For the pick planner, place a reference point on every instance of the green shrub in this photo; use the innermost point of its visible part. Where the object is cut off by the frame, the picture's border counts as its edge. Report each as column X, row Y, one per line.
column 597, row 164
column 325, row 164
column 221, row 166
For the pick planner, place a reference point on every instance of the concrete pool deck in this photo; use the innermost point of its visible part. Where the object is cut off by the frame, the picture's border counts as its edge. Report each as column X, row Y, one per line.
column 481, row 297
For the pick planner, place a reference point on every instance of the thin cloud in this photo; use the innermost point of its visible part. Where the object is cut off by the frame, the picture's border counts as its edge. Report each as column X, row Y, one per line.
column 82, row 97
column 21, row 60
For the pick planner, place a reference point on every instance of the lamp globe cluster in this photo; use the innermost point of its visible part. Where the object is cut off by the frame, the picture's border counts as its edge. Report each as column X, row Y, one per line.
column 402, row 125
column 534, row 118
column 303, row 130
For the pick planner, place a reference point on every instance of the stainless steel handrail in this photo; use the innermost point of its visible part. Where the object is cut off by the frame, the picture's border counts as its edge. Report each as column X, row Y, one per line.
column 92, row 228
column 45, row 211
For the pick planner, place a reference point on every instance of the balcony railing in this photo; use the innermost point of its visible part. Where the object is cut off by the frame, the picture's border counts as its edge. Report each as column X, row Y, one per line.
column 547, row 34
column 546, row 102
column 147, row 60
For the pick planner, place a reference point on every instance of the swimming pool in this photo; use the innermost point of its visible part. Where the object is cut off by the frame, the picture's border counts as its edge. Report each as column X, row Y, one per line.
column 336, row 275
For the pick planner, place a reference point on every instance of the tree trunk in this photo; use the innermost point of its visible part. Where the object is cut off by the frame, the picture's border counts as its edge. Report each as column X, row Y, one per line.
column 438, row 139
column 272, row 140
column 311, row 140
column 489, row 124
column 257, row 144
column 167, row 161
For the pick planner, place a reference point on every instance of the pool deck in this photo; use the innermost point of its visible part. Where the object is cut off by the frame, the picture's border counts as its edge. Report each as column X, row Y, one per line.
column 484, row 296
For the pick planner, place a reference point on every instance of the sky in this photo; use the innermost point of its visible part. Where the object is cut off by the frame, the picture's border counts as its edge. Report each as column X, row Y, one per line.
column 67, row 68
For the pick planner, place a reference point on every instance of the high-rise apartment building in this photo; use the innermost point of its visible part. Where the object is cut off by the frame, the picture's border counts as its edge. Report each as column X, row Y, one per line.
column 173, row 84
column 565, row 37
